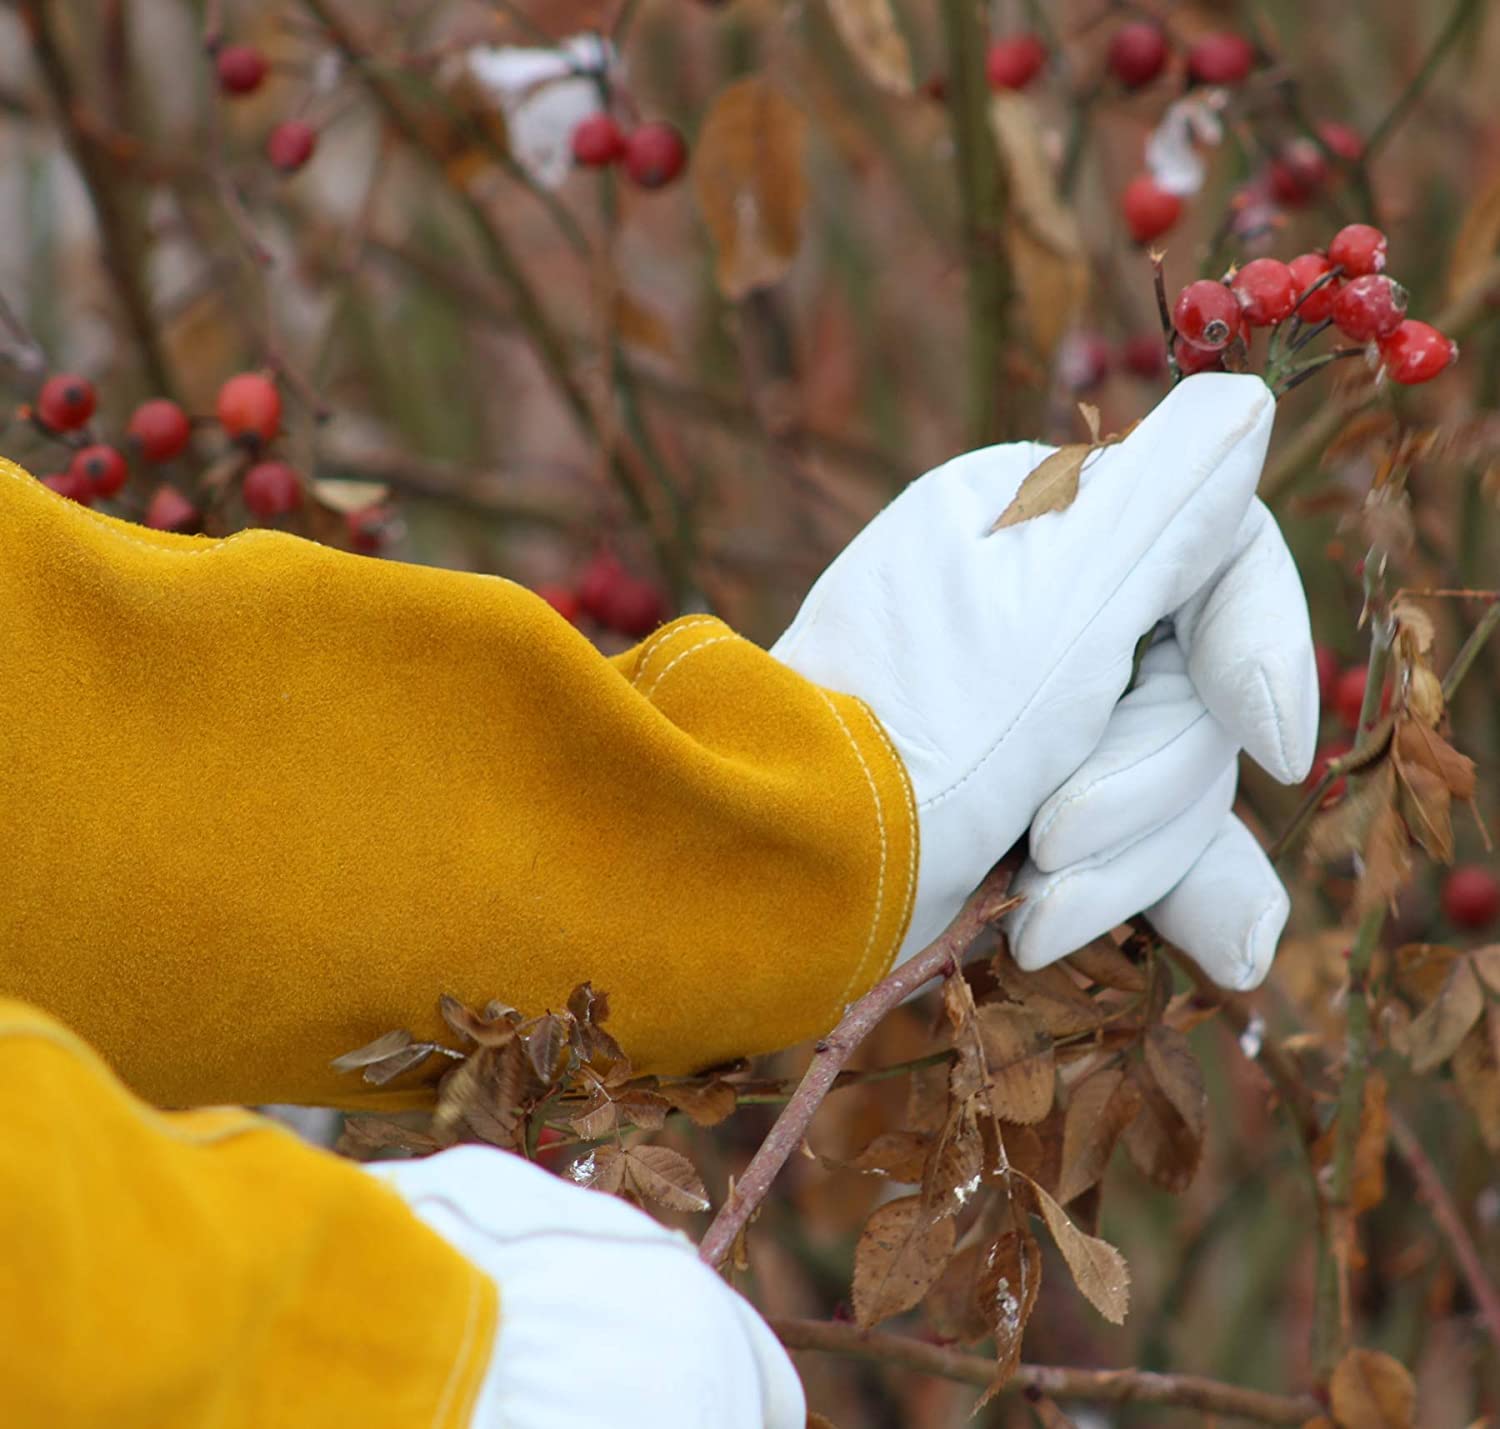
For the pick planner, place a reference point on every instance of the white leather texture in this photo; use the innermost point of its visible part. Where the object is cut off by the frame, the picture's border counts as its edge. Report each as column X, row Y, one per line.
column 997, row 663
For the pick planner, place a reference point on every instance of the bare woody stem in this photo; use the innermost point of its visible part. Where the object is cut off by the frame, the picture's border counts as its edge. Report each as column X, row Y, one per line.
column 1100, row 1386
column 938, row 959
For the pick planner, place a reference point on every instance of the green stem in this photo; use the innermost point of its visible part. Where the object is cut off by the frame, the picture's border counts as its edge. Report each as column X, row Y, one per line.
column 1447, row 36
column 1469, row 651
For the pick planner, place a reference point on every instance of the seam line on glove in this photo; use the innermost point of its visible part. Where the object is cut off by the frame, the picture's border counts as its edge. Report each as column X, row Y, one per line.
column 1276, row 724
column 864, row 957
column 666, row 633
column 447, row 1401
column 659, row 1237
column 676, row 660
column 909, row 896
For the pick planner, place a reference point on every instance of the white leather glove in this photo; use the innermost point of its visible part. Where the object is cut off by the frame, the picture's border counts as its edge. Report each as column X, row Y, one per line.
column 997, row 663
column 605, row 1316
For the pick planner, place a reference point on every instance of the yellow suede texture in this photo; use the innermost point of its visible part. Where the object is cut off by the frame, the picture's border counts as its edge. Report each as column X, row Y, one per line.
column 195, row 1268
column 263, row 801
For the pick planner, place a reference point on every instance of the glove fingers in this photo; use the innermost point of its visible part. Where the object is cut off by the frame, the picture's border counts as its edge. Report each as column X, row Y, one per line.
column 1066, row 909
column 1250, row 650
column 782, row 1403
column 1160, row 740
column 1228, row 911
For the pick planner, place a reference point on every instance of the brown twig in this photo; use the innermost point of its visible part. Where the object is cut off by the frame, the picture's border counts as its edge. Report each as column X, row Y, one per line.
column 940, row 958
column 1449, row 1223
column 1107, row 1386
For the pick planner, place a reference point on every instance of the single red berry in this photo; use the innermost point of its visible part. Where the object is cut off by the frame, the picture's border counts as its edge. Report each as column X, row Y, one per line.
column 1359, row 249
column 1012, row 63
column 1082, row 361
column 1266, row 290
column 598, row 142
column 1369, row 307
column 241, row 69
column 1223, row 58
column 596, row 586
column 368, row 529
column 1137, row 53
column 1349, row 696
column 634, row 607
column 1145, row 355
column 1207, row 314
column 1329, row 668
column 1191, row 359
column 654, row 155
column 1336, row 749
column 563, row 600
column 66, row 401
column 1148, row 208
column 249, row 408
column 159, row 429
column 271, row 488
column 290, row 145
column 1344, row 141
column 1471, row 896
column 170, row 510
column 1417, row 352
column 1307, row 269
column 102, row 467
column 72, row 484
column 1298, row 173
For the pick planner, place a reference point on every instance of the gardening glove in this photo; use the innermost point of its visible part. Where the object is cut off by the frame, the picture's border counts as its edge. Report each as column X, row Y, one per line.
column 606, row 1316
column 997, row 662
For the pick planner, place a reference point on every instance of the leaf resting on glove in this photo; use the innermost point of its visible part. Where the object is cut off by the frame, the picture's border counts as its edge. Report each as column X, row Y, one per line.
column 1053, row 485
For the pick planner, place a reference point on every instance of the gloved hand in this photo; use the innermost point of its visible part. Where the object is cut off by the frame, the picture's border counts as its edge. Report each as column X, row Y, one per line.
column 997, row 662
column 605, row 1316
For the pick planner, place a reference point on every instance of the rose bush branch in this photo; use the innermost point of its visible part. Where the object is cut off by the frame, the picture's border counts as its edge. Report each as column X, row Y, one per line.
column 1099, row 1386
column 939, row 959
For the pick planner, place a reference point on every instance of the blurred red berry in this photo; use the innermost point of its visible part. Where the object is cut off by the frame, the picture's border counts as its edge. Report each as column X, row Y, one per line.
column 1335, row 749
column 368, row 529
column 1471, row 896
column 272, row 488
column 596, row 586
column 598, row 142
column 935, row 87
column 1417, row 352
column 1369, row 307
column 170, row 510
column 1359, row 249
column 562, row 600
column 1223, row 58
column 74, row 485
column 249, row 408
column 633, row 607
column 1306, row 270
column 1344, row 141
column 66, row 401
column 1082, row 361
column 1145, row 355
column 1207, row 314
column 1148, row 208
column 1012, row 63
column 1349, row 696
column 1329, row 667
column 654, row 155
column 1298, row 173
column 1266, row 290
column 1191, row 359
column 159, row 429
column 102, row 467
column 290, row 145
column 241, row 69
column 1137, row 53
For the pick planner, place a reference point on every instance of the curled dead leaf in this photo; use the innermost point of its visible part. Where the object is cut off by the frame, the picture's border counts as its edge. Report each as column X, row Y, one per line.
column 1009, row 1281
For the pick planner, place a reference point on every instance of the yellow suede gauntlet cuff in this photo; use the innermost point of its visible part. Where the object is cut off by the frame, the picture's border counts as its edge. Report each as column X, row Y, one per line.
column 261, row 801
column 199, row 1268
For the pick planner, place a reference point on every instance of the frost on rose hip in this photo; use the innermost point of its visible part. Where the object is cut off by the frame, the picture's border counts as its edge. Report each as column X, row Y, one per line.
column 1417, row 352
column 1369, row 307
column 1266, row 290
column 1358, row 249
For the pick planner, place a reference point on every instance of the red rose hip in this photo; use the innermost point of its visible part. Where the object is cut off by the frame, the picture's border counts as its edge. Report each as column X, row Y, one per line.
column 1358, row 249
column 66, row 401
column 170, row 510
column 271, row 488
column 1013, row 62
column 562, row 600
column 71, row 484
column 1149, row 210
column 1471, row 896
column 654, row 155
column 1207, row 314
column 159, row 429
column 1137, row 53
column 1313, row 305
column 1266, row 291
column 1144, row 355
column 102, row 467
column 290, row 145
column 1417, row 352
column 597, row 142
column 1223, row 58
column 249, row 408
column 1369, row 307
column 241, row 68
column 1191, row 359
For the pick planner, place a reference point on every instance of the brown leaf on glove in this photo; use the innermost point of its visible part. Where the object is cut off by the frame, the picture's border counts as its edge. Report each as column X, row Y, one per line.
column 1052, row 485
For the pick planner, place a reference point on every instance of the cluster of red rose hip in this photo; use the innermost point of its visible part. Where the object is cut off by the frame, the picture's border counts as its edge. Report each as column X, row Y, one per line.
column 241, row 70
column 608, row 594
column 652, row 155
column 1470, row 893
column 1346, row 288
column 247, row 410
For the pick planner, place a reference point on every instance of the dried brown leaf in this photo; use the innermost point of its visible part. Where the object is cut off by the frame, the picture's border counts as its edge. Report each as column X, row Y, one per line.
column 1099, row 1270
column 665, row 1176
column 1446, row 1020
column 1020, row 1062
column 748, row 178
column 602, row 1169
column 1051, row 486
column 1387, row 863
column 1486, row 962
column 818, row 1421
column 869, row 29
column 1009, row 1282
column 900, row 1155
column 1050, row 992
column 1164, row 1147
column 548, row 1044
column 492, row 1027
column 1178, row 1074
column 1417, row 745
column 955, row 1164
column 1476, row 242
column 1099, row 1110
column 387, row 1045
column 640, row 327
column 1104, row 963
column 598, row 1117
column 364, row 1135
column 1476, row 1072
column 703, row 1103
column 952, row 1305
column 484, row 1095
column 643, row 1108
column 1367, row 1188
column 901, row 1252
column 1370, row 1390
